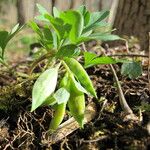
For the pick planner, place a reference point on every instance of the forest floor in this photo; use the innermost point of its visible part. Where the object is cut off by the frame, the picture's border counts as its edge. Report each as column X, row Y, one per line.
column 20, row 129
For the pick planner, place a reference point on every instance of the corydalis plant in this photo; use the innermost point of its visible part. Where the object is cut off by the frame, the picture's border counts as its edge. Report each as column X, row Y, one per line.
column 61, row 36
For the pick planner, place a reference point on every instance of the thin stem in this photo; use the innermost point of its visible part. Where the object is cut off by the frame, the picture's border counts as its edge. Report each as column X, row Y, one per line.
column 84, row 47
column 66, row 67
column 125, row 107
column 149, row 63
column 128, row 55
column 35, row 63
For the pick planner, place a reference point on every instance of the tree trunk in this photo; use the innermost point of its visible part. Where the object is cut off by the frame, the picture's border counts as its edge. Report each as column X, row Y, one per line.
column 133, row 18
column 20, row 12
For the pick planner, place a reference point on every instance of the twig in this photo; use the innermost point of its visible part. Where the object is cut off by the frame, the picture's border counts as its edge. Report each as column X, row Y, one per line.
column 125, row 107
column 84, row 48
column 70, row 126
column 128, row 55
column 97, row 139
column 149, row 63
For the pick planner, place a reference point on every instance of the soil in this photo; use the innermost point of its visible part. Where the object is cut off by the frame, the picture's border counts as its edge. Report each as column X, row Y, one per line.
column 22, row 130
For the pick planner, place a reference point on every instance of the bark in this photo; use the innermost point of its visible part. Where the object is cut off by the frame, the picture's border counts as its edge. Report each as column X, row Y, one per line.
column 133, row 18
column 53, row 5
column 72, row 4
column 20, row 12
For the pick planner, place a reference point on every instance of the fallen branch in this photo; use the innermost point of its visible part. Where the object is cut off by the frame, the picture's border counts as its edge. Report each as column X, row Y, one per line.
column 69, row 126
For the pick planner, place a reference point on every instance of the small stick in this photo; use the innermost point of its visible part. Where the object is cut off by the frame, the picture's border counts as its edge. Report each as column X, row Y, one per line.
column 96, row 140
column 125, row 107
column 128, row 55
column 129, row 115
column 149, row 63
column 84, row 48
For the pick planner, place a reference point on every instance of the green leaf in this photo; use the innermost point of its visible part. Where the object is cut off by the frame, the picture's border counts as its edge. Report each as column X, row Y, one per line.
column 42, row 12
column 44, row 87
column 14, row 31
column 50, row 101
column 83, row 39
column 101, row 24
column 78, row 87
column 104, row 60
column 88, row 57
column 68, row 51
column 61, row 95
column 47, row 34
column 41, row 9
column 91, row 60
column 104, row 37
column 35, row 28
column 75, row 19
column 132, row 69
column 81, row 75
column 95, row 18
column 59, row 26
column 55, row 40
column 85, row 13
column 3, row 39
column 56, row 12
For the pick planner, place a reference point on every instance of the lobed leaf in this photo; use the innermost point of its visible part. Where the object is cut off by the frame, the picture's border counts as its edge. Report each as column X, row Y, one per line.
column 58, row 25
column 75, row 19
column 132, row 69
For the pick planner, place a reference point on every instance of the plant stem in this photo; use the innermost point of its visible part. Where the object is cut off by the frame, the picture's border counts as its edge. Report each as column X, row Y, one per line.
column 66, row 67
column 149, row 63
column 128, row 55
column 125, row 107
column 39, row 60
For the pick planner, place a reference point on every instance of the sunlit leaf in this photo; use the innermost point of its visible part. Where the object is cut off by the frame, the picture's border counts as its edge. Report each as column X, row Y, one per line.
column 88, row 57
column 56, row 12
column 75, row 19
column 61, row 95
column 41, row 9
column 95, row 18
column 44, row 87
column 105, row 37
column 103, row 60
column 85, row 13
